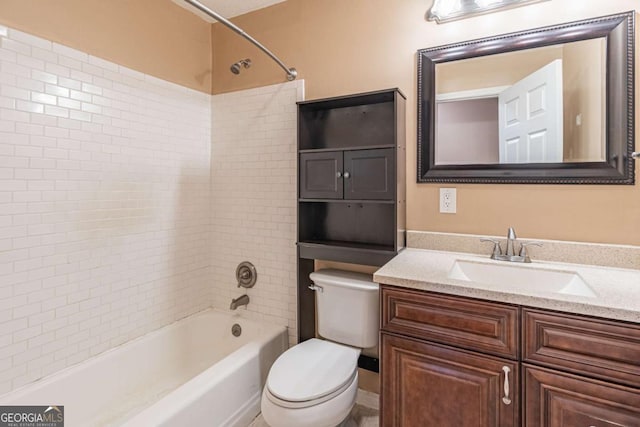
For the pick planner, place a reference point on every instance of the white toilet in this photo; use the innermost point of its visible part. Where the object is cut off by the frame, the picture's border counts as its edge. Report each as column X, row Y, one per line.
column 314, row 383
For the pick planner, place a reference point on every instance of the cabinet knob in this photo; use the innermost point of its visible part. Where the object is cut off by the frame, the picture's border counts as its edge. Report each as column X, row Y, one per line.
column 346, row 175
column 338, row 174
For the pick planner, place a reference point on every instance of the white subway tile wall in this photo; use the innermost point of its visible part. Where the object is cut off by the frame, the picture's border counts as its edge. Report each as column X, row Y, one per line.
column 253, row 184
column 105, row 205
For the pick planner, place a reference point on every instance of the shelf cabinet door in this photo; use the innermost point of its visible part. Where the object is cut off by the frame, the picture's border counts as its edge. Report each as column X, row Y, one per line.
column 426, row 384
column 563, row 400
column 321, row 175
column 371, row 174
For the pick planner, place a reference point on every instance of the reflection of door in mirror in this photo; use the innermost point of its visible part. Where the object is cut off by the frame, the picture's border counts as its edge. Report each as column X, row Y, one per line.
column 466, row 122
column 530, row 117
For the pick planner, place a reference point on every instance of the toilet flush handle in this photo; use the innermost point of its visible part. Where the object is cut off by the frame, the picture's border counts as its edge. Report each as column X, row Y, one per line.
column 316, row 288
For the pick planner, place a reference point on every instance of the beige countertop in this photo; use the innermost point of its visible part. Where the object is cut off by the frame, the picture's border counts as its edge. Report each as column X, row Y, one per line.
column 617, row 290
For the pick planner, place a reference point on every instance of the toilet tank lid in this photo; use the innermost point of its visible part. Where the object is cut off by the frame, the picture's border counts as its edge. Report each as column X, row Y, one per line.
column 348, row 279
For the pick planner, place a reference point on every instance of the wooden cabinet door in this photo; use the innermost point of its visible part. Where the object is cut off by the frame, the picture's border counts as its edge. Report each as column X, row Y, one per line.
column 321, row 175
column 428, row 385
column 369, row 174
column 553, row 399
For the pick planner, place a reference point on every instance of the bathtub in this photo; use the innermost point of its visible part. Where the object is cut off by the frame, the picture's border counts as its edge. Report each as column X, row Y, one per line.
column 191, row 373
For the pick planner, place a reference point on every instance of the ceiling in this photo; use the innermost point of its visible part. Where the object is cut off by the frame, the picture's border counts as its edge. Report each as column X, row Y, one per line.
column 228, row 8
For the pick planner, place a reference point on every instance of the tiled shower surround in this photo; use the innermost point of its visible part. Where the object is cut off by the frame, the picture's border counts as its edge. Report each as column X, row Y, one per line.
column 104, row 206
column 253, row 177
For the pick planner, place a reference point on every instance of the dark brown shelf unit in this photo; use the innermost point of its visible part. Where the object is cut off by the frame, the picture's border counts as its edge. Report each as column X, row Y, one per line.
column 382, row 202
column 345, row 252
column 364, row 147
column 351, row 187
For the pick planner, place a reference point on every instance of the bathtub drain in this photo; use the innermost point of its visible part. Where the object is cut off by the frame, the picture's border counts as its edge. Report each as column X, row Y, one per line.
column 236, row 330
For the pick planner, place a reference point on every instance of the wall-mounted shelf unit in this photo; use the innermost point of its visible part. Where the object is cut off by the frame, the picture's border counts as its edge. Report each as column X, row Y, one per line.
column 351, row 185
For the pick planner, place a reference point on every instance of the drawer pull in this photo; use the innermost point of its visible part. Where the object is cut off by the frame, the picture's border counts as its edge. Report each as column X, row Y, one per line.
column 506, row 400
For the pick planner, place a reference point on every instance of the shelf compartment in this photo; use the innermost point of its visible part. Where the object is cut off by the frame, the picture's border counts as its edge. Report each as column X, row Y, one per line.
column 357, row 223
column 378, row 202
column 363, row 125
column 349, row 252
column 347, row 148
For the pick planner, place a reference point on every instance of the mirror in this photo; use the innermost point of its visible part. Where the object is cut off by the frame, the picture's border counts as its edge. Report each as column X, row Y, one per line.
column 551, row 105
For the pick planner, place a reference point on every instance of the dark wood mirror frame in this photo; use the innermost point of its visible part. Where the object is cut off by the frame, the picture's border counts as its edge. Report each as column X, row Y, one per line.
column 619, row 33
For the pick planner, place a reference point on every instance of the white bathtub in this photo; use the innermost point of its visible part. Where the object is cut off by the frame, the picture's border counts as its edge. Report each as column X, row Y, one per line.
column 191, row 373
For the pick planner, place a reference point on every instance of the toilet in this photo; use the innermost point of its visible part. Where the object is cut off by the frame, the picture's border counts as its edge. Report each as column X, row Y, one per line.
column 314, row 383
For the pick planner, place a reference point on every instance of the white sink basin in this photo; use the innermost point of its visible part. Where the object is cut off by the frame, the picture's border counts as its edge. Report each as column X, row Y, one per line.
column 521, row 278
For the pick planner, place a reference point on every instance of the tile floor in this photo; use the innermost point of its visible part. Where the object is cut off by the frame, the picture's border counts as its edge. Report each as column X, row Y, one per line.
column 364, row 414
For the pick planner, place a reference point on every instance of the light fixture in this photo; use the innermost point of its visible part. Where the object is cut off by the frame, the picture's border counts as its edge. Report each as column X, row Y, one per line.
column 449, row 10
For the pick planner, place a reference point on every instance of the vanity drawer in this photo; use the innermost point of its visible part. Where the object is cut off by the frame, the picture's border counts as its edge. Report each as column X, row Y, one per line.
column 471, row 324
column 600, row 348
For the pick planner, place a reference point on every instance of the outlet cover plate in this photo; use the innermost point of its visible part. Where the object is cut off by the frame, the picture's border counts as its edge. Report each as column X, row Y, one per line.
column 448, row 200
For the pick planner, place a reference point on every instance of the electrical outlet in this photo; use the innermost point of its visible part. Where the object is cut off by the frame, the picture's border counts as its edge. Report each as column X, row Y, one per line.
column 448, row 200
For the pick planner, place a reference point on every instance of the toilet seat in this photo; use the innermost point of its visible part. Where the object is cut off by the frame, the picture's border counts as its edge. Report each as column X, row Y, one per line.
column 313, row 402
column 312, row 372
column 326, row 414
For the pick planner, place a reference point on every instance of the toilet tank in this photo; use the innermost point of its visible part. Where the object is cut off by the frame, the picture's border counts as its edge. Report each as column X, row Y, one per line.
column 347, row 307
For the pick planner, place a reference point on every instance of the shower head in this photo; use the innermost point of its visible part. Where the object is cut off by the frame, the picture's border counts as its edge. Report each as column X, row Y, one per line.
column 236, row 67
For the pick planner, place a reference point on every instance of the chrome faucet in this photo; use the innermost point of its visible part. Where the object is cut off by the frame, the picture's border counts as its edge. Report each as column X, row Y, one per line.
column 242, row 300
column 510, row 253
column 511, row 242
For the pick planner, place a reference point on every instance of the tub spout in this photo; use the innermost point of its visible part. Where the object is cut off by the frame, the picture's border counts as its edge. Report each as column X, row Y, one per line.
column 243, row 300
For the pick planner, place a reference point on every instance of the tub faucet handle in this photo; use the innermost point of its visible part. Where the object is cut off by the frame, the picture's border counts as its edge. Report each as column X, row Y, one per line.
column 246, row 274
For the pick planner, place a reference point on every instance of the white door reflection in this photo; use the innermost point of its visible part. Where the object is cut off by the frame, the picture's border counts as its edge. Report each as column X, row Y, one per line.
column 530, row 117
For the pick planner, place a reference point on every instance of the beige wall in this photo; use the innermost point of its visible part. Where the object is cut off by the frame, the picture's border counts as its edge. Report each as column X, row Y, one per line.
column 583, row 75
column 481, row 72
column 155, row 37
column 349, row 46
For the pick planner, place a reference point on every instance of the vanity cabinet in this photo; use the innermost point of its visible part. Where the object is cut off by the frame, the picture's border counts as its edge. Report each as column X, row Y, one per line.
column 447, row 359
column 448, row 362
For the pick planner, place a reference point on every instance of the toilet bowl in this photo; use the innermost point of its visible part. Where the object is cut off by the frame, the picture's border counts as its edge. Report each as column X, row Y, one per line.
column 314, row 384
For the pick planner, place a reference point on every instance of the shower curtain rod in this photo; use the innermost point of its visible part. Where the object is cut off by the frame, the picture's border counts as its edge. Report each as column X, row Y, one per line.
column 291, row 72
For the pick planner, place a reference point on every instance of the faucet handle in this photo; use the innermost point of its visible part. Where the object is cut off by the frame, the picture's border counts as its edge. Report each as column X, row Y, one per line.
column 523, row 250
column 497, row 250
